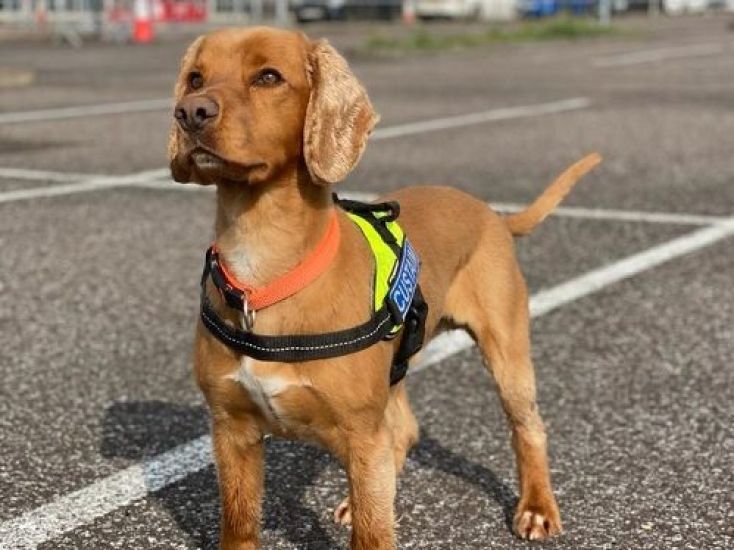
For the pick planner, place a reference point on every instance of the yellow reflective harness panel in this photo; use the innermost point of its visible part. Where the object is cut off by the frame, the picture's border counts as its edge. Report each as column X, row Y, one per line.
column 395, row 284
column 386, row 260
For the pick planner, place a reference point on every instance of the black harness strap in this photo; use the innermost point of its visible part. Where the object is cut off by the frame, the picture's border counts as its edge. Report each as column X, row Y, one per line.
column 296, row 348
column 357, row 207
column 414, row 332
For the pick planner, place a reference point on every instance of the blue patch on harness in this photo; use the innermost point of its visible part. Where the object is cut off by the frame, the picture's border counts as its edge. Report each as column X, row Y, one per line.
column 406, row 280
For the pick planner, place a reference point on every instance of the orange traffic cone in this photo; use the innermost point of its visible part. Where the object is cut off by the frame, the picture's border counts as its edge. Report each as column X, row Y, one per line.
column 143, row 22
column 408, row 12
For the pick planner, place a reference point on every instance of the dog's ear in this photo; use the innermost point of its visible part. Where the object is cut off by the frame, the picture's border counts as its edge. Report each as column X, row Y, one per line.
column 339, row 116
column 180, row 172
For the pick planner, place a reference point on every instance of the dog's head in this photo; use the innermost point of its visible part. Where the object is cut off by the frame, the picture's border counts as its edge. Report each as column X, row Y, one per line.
column 251, row 103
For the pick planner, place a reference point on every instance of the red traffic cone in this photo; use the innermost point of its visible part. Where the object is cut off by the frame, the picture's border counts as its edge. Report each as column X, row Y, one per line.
column 143, row 22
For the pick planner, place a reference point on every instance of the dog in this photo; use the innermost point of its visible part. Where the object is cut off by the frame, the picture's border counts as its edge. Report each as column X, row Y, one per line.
column 274, row 120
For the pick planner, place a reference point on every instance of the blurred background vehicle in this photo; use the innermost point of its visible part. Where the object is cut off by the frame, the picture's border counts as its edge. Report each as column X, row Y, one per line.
column 339, row 10
column 466, row 9
column 319, row 10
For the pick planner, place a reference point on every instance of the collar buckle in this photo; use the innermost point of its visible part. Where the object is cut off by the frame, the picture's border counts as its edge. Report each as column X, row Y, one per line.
column 247, row 316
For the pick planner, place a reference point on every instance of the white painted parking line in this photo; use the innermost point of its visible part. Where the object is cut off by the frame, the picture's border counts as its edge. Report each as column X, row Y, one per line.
column 156, row 179
column 610, row 214
column 550, row 299
column 619, row 215
column 471, row 119
column 81, row 507
column 658, row 54
column 104, row 496
column 108, row 182
column 81, row 111
column 384, row 133
column 401, row 130
column 170, row 185
column 44, row 175
column 63, row 190
column 507, row 113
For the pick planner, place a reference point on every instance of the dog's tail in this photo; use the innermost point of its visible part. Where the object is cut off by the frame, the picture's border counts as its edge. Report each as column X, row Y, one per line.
column 524, row 222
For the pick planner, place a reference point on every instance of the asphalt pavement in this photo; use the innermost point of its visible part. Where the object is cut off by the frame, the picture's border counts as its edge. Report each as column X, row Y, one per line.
column 635, row 362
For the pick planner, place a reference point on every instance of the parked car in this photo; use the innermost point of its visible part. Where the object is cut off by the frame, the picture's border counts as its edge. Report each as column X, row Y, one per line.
column 319, row 10
column 466, row 9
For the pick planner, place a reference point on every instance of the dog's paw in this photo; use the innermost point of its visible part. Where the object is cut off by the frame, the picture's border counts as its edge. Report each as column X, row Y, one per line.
column 343, row 513
column 537, row 521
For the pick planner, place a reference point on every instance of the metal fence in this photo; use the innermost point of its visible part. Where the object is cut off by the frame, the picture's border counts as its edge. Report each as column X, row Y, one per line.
column 107, row 15
column 30, row 10
column 115, row 19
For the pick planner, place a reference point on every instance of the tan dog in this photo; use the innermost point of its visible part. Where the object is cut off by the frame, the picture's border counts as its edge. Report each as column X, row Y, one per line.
column 273, row 119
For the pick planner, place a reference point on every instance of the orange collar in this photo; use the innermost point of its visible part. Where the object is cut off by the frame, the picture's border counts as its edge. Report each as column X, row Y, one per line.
column 255, row 298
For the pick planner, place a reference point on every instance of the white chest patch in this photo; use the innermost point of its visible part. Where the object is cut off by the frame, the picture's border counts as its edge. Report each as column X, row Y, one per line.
column 240, row 263
column 262, row 389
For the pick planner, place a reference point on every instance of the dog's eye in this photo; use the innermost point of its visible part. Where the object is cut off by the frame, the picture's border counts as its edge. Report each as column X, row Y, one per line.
column 268, row 77
column 196, row 80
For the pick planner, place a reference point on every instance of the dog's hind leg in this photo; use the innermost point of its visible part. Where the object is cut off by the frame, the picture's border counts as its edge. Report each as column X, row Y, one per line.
column 402, row 423
column 404, row 428
column 498, row 318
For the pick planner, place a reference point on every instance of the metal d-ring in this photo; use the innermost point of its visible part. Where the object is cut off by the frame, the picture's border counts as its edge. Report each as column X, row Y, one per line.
column 247, row 318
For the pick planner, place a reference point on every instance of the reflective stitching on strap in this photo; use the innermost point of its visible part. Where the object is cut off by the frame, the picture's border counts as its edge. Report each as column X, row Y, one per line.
column 213, row 325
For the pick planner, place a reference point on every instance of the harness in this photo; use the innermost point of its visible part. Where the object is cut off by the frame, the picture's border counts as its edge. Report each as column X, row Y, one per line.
column 397, row 302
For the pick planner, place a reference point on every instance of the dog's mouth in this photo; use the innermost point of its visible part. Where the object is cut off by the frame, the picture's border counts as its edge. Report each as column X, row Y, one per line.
column 206, row 161
column 212, row 168
column 202, row 165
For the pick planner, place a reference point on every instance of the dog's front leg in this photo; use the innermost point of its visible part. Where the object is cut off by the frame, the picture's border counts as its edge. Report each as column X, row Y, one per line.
column 238, row 450
column 371, row 471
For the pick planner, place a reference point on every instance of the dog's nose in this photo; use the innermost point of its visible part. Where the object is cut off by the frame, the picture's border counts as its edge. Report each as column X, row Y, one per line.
column 194, row 112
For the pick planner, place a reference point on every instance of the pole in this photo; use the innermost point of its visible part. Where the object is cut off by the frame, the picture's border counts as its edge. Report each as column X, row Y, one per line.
column 41, row 14
column 256, row 11
column 605, row 12
column 281, row 13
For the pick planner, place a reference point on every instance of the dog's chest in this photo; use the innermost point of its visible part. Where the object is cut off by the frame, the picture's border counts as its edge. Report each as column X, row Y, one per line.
column 265, row 387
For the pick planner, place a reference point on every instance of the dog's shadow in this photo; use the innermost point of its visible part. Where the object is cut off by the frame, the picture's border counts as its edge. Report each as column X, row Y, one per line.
column 140, row 430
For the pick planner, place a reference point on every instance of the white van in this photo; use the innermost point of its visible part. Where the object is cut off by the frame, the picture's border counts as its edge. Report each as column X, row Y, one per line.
column 467, row 9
